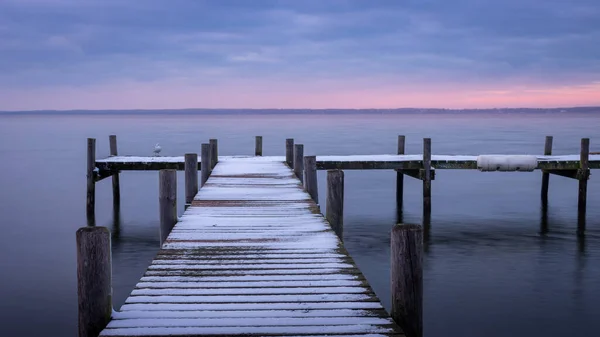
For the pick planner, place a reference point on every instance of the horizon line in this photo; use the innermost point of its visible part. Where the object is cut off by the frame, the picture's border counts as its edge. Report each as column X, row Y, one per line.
column 304, row 109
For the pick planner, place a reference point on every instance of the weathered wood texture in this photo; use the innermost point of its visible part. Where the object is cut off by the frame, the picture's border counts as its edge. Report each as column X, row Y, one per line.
column 546, row 175
column 426, row 179
column 214, row 152
column 258, row 150
column 91, row 180
column 407, row 278
column 205, row 164
column 582, row 197
column 289, row 152
column 167, row 196
column 400, row 176
column 112, row 140
column 94, row 277
column 252, row 256
column 335, row 202
column 310, row 177
column 299, row 162
column 191, row 177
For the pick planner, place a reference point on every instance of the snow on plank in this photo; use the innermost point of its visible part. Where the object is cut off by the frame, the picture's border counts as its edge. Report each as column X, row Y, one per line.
column 245, row 331
column 248, row 322
column 252, row 255
column 253, row 313
column 245, row 278
column 250, row 291
column 300, row 284
column 250, row 306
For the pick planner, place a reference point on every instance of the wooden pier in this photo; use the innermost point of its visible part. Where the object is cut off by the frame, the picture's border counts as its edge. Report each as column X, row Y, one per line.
column 252, row 255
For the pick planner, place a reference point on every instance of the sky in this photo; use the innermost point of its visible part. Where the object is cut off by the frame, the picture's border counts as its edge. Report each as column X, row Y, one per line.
column 150, row 54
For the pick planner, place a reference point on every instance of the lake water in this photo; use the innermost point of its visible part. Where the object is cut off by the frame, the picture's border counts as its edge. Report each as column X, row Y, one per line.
column 487, row 269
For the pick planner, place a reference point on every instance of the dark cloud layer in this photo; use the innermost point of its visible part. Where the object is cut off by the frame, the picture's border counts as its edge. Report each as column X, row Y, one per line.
column 86, row 42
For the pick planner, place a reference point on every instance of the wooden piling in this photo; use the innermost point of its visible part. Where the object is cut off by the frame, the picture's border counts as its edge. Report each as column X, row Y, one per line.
column 214, row 153
column 289, row 152
column 167, row 197
column 407, row 278
column 335, row 201
column 91, row 180
column 112, row 140
column 400, row 177
column 298, row 161
column 191, row 177
column 546, row 175
column 94, row 277
column 310, row 177
column 258, row 146
column 426, row 180
column 204, row 164
column 583, row 180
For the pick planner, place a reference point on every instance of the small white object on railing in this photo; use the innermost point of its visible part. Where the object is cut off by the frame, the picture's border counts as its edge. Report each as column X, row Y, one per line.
column 507, row 163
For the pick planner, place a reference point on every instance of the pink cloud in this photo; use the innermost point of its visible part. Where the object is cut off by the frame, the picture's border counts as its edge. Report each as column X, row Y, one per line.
column 179, row 95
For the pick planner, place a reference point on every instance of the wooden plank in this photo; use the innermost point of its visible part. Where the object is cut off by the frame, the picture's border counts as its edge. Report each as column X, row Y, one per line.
column 248, row 314
column 365, row 305
column 246, row 331
column 248, row 322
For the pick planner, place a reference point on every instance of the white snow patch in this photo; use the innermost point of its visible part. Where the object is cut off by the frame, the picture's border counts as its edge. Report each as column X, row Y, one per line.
column 523, row 163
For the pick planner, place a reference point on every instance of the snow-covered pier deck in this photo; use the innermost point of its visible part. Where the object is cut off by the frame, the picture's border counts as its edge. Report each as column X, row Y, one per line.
column 252, row 256
column 352, row 162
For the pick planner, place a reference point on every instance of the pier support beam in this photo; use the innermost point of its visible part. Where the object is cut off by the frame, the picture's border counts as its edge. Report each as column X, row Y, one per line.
column 298, row 161
column 214, row 153
column 112, row 140
column 167, row 197
column 91, row 182
column 191, row 177
column 546, row 175
column 258, row 146
column 583, row 176
column 400, row 179
column 426, row 181
column 310, row 177
column 94, row 277
column 335, row 202
column 407, row 278
column 204, row 164
column 289, row 152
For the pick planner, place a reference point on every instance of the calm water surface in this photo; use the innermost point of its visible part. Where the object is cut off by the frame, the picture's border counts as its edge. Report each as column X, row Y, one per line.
column 488, row 270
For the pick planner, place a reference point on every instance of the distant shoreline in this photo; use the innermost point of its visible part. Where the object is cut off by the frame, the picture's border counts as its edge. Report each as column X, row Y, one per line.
column 400, row 111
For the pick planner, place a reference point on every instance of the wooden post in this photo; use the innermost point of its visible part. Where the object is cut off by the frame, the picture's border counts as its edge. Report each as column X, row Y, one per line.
column 112, row 139
column 407, row 278
column 94, row 277
column 298, row 162
column 400, row 177
column 258, row 146
column 204, row 164
column 214, row 153
column 310, row 180
column 191, row 177
column 426, row 180
column 289, row 152
column 546, row 175
column 583, row 180
column 167, row 197
column 335, row 201
column 91, row 181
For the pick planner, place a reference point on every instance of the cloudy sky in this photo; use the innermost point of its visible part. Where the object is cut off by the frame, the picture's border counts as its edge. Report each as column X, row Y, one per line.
column 121, row 54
